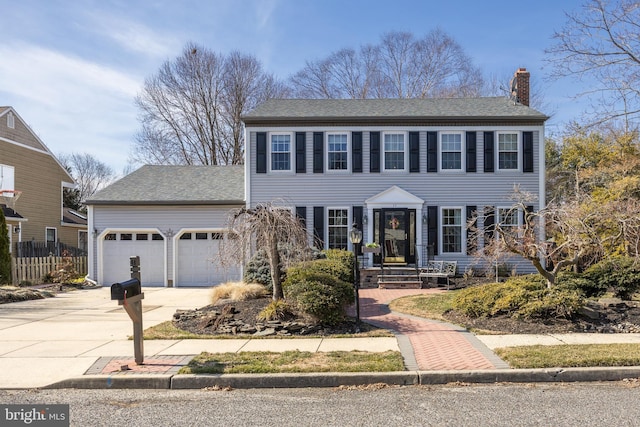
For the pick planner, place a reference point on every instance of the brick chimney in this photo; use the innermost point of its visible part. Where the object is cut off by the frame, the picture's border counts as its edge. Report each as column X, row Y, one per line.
column 520, row 86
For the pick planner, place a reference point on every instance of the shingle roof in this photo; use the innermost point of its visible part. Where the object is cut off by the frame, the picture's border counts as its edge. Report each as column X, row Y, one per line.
column 345, row 109
column 176, row 185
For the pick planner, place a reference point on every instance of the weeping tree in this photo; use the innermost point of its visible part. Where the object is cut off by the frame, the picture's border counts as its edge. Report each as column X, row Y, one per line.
column 5, row 255
column 271, row 227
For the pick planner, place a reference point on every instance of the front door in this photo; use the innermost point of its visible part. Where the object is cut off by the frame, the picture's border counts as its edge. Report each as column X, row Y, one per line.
column 395, row 233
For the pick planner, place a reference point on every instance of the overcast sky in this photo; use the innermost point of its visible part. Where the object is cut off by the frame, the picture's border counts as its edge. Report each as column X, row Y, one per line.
column 71, row 68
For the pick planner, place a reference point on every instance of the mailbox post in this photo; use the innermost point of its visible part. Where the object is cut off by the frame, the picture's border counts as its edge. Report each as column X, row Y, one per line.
column 129, row 295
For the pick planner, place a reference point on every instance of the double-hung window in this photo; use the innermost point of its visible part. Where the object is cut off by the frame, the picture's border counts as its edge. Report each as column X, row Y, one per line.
column 280, row 152
column 507, row 151
column 337, row 151
column 394, row 151
column 451, row 230
column 508, row 220
column 451, row 151
column 338, row 228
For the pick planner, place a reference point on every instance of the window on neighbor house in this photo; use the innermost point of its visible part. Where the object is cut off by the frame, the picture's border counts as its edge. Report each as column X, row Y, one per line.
column 451, row 151
column 82, row 239
column 394, row 151
column 280, row 152
column 51, row 235
column 7, row 178
column 338, row 220
column 11, row 121
column 451, row 230
column 337, row 151
column 507, row 151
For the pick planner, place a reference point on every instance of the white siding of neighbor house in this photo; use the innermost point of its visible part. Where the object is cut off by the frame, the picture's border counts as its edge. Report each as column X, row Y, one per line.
column 443, row 188
column 169, row 221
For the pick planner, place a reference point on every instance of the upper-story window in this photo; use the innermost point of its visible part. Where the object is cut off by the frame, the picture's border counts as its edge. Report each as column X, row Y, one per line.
column 337, row 151
column 11, row 122
column 451, row 230
column 280, row 152
column 394, row 151
column 451, row 151
column 507, row 151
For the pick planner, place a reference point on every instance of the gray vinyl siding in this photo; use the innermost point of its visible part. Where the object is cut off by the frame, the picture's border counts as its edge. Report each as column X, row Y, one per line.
column 444, row 188
column 169, row 220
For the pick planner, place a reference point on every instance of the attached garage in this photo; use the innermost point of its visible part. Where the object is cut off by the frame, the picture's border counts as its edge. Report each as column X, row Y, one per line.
column 172, row 217
column 118, row 247
column 198, row 259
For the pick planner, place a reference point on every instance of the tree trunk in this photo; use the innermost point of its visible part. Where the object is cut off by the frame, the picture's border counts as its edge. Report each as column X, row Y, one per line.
column 549, row 276
column 275, row 271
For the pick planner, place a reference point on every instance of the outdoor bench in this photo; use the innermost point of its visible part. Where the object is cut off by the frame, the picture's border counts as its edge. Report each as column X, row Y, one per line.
column 438, row 269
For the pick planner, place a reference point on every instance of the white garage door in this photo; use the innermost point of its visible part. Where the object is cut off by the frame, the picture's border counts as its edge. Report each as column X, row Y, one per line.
column 198, row 260
column 118, row 247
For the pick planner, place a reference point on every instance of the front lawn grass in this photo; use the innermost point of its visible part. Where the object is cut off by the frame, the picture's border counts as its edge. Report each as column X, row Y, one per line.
column 293, row 362
column 571, row 356
column 431, row 306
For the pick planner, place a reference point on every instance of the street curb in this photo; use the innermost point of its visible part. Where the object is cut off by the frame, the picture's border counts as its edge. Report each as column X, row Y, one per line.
column 336, row 379
column 302, row 380
column 142, row 381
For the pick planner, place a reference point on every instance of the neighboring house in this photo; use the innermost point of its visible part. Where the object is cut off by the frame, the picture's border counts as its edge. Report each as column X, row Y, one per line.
column 172, row 217
column 409, row 171
column 27, row 165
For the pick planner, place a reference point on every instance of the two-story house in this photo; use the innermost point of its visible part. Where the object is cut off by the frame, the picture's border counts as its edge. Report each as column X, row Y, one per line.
column 28, row 166
column 411, row 172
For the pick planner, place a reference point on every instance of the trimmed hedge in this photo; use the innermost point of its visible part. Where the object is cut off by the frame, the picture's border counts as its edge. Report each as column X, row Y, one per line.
column 519, row 297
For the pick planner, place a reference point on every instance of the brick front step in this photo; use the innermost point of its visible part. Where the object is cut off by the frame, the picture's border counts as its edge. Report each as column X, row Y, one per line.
column 400, row 284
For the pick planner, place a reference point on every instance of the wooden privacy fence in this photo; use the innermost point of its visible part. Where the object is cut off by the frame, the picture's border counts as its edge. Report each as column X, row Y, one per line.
column 35, row 269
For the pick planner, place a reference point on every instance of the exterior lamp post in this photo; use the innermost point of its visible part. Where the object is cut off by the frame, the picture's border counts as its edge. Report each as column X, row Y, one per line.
column 355, row 237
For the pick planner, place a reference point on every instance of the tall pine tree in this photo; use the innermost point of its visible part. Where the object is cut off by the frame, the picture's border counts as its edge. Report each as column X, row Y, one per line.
column 5, row 255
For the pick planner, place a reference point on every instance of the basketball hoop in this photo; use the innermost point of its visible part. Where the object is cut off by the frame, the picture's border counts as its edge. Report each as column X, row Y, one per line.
column 9, row 198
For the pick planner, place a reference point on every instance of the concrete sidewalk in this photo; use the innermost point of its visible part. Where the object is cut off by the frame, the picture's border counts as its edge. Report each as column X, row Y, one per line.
column 80, row 339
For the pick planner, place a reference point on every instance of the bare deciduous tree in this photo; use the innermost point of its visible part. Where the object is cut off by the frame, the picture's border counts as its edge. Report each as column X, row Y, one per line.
column 89, row 173
column 400, row 66
column 191, row 109
column 602, row 42
column 271, row 227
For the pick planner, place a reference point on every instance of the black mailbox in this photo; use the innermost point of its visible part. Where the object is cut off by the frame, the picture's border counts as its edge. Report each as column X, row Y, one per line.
column 128, row 289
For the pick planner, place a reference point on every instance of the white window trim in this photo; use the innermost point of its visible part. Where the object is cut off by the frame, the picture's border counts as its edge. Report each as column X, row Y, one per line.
column 326, row 157
column 11, row 120
column 518, row 150
column 463, row 229
column 292, row 166
column 46, row 229
column 7, row 177
column 406, row 152
column 326, row 228
column 463, row 149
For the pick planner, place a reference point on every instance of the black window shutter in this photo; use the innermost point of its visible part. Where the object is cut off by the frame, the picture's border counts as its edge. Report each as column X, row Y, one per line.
column 356, row 152
column 432, row 228
column 472, row 240
column 261, row 152
column 301, row 152
column 525, row 215
column 527, row 151
column 357, row 217
column 374, row 149
column 489, row 224
column 318, row 152
column 301, row 213
column 471, row 151
column 318, row 226
column 488, row 151
column 414, row 152
column 432, row 151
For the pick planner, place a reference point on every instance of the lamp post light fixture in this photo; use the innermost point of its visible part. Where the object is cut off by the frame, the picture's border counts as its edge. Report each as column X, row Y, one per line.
column 355, row 237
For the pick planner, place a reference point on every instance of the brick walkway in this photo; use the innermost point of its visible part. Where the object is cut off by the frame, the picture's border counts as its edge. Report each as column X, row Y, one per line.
column 436, row 345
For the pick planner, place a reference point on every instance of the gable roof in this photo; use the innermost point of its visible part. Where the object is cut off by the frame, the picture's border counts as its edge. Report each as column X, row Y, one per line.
column 403, row 110
column 175, row 185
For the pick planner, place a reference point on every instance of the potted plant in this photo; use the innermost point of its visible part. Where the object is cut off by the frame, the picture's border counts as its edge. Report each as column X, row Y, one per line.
column 372, row 248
